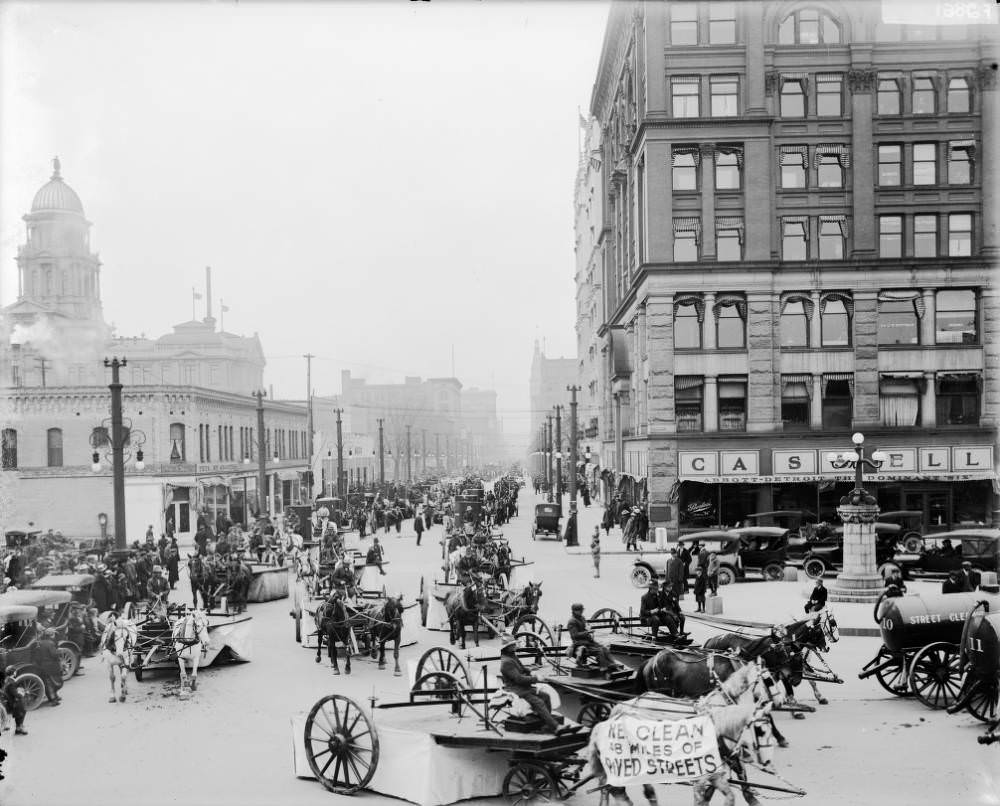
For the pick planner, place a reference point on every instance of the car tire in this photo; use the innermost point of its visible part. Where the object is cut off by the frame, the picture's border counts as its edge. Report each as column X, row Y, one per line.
column 913, row 543
column 642, row 575
column 774, row 572
column 727, row 576
column 814, row 567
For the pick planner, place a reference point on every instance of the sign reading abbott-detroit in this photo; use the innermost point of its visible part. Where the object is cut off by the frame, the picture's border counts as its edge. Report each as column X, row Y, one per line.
column 639, row 751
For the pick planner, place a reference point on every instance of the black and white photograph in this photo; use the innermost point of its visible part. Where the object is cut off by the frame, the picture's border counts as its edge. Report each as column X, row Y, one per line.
column 499, row 402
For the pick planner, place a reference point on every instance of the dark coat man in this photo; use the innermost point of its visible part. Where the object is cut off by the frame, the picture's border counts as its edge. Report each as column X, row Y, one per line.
column 674, row 573
column 583, row 637
column 817, row 599
column 418, row 526
column 46, row 657
column 517, row 680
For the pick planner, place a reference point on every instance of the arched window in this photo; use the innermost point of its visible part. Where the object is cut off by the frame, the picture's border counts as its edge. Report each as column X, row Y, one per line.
column 730, row 324
column 795, row 322
column 54, row 447
column 688, row 314
column 178, row 452
column 835, row 322
column 9, row 449
column 809, row 26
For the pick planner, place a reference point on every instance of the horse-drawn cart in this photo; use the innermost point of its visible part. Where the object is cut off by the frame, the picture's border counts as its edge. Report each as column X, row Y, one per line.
column 228, row 638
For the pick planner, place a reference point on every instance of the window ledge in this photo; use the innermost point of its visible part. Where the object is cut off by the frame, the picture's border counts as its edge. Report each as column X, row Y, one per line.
column 976, row 346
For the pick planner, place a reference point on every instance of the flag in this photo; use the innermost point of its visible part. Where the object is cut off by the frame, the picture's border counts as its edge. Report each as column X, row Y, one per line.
column 195, row 294
column 225, row 308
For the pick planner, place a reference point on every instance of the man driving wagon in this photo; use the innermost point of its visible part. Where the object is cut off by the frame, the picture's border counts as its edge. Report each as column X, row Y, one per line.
column 583, row 643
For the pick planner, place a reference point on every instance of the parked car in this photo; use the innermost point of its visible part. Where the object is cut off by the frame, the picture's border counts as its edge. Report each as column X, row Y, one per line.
column 828, row 554
column 724, row 542
column 790, row 519
column 981, row 547
column 911, row 521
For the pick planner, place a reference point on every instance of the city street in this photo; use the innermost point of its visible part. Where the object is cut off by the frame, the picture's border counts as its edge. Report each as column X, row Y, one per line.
column 232, row 742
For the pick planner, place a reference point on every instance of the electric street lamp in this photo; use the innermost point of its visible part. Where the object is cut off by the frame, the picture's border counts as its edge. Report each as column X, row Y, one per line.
column 842, row 460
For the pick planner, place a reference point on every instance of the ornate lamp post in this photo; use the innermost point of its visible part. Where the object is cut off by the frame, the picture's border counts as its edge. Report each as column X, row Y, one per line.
column 859, row 581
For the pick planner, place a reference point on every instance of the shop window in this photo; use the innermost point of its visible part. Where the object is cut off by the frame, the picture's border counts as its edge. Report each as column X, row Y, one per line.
column 54, row 447
column 889, row 96
column 899, row 315
column 683, row 23
column 730, row 324
column 795, row 323
column 808, row 26
column 9, row 449
column 685, row 168
column 724, row 96
column 728, row 166
column 832, row 237
column 828, row 96
column 956, row 317
column 924, row 102
column 890, row 165
column 794, row 245
column 685, row 97
column 729, row 238
column 959, row 235
column 793, row 98
column 925, row 236
column 899, row 401
column 835, row 322
column 890, row 236
column 960, row 162
column 958, row 96
column 686, row 236
column 958, row 399
column 795, row 395
column 732, row 404
column 793, row 167
column 721, row 23
column 924, row 164
column 687, row 325
column 688, row 409
column 837, row 401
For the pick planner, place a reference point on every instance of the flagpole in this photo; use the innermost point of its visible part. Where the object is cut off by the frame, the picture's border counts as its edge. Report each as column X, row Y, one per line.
column 222, row 316
column 192, row 303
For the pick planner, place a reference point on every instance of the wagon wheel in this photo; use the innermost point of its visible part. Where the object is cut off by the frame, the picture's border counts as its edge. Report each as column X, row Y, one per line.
column 340, row 735
column 441, row 659
column 34, row 689
column 935, row 676
column 641, row 576
column 893, row 677
column 531, row 624
column 69, row 661
column 983, row 701
column 607, row 613
column 530, row 782
column 592, row 713
column 446, row 685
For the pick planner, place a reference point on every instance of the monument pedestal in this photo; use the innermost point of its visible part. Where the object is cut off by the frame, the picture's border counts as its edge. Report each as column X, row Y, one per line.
column 859, row 581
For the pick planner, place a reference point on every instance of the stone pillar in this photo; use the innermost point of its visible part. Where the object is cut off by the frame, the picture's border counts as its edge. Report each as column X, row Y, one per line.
column 762, row 380
column 861, row 83
column 859, row 581
column 815, row 322
column 928, row 402
column 659, row 203
column 927, row 334
column 707, row 152
column 866, row 403
column 660, row 349
column 816, row 403
column 986, row 76
column 753, row 34
column 710, row 404
column 758, row 159
column 708, row 322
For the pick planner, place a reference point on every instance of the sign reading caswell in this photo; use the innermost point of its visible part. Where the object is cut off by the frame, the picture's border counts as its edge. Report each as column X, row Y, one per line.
column 649, row 751
column 955, row 463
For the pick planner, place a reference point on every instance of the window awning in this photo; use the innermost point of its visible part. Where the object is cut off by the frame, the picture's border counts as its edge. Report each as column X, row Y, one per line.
column 795, row 390
column 839, row 150
column 684, row 382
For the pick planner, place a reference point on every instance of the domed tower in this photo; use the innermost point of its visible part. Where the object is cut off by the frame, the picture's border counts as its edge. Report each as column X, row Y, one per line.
column 56, row 269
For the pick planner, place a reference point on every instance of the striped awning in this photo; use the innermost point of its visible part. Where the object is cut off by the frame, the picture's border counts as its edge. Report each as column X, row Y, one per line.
column 687, row 225
column 841, row 151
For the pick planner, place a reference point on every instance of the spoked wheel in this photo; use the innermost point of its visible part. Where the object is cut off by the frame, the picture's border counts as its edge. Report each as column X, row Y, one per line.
column 441, row 659
column 69, row 662
column 607, row 614
column 529, row 782
column 893, row 677
column 935, row 676
column 533, row 624
column 341, row 744
column 592, row 713
column 34, row 689
column 774, row 572
column 983, row 701
column 641, row 576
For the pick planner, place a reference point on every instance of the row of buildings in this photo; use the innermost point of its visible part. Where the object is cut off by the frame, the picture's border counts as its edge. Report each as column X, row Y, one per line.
column 786, row 232
column 193, row 438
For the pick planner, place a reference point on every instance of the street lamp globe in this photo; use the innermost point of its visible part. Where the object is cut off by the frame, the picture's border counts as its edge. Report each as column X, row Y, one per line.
column 879, row 456
column 858, row 438
column 139, row 464
column 95, row 462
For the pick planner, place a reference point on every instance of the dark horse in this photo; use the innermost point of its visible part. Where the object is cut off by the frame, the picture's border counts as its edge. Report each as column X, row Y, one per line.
column 808, row 638
column 384, row 623
column 336, row 622
column 203, row 581
column 462, row 607
column 689, row 673
column 523, row 602
column 239, row 577
column 375, row 624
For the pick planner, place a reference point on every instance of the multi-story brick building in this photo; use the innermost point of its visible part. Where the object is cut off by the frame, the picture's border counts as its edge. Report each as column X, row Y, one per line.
column 547, row 386
column 800, row 218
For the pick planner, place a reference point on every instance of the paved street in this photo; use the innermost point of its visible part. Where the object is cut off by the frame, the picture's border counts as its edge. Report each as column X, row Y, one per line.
column 232, row 743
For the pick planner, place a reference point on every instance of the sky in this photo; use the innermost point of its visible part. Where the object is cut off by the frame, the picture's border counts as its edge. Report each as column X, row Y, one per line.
column 378, row 184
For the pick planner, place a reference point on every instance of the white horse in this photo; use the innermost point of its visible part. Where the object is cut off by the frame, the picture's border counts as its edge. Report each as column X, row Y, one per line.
column 190, row 637
column 117, row 642
column 454, row 558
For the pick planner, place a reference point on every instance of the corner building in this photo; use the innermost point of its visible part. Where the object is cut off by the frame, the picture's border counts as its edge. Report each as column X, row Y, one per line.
column 799, row 242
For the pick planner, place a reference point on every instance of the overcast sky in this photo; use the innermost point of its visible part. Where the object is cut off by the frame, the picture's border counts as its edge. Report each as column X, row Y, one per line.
column 372, row 183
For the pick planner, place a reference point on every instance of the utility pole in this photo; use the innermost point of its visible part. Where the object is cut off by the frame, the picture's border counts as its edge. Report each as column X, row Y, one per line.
column 548, row 456
column 423, row 437
column 559, row 490
column 571, row 534
column 409, row 467
column 381, row 454
column 117, row 450
column 340, row 455
column 437, row 454
column 261, row 457
column 309, row 421
column 43, row 363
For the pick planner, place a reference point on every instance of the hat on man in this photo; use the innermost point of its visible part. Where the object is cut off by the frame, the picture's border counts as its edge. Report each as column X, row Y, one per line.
column 157, row 569
column 576, row 607
column 966, row 564
column 506, row 640
column 652, row 585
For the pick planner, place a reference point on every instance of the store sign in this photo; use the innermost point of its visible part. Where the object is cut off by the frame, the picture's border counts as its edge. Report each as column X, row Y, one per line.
column 792, row 463
column 696, row 464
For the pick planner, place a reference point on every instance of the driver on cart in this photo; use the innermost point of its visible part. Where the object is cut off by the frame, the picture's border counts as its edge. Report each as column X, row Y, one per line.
column 583, row 639
column 517, row 680
column 670, row 607
column 651, row 611
column 343, row 579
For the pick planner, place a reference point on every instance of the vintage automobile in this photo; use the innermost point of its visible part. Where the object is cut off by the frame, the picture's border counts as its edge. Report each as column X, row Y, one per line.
column 546, row 521
column 77, row 585
column 911, row 522
column 827, row 554
column 790, row 519
column 17, row 631
column 724, row 542
column 52, row 609
column 981, row 547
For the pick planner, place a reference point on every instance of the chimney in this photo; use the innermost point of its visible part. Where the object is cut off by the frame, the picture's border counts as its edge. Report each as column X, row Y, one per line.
column 209, row 319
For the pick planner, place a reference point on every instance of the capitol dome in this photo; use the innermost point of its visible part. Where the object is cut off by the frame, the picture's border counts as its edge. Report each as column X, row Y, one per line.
column 56, row 195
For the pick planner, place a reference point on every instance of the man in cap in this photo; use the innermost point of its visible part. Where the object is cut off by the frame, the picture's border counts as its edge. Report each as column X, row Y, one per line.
column 650, row 612
column 670, row 609
column 583, row 638
column 158, row 589
column 376, row 556
column 674, row 571
column 517, row 680
column 970, row 578
column 343, row 578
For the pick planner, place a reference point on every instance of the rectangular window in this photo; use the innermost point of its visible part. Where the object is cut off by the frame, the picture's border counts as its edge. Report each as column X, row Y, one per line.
column 732, row 404
column 960, row 163
column 837, row 402
column 958, row 399
column 683, row 23
column 898, row 322
column 688, row 402
column 725, row 91
column 829, row 171
column 923, row 96
column 899, row 401
column 888, row 96
column 959, row 235
column 794, row 244
column 793, row 167
column 795, row 393
column 793, row 99
column 685, row 161
column 956, row 317
column 828, row 96
column 958, row 96
column 685, row 97
column 9, row 449
column 686, row 232
column 832, row 238
column 721, row 23
column 925, row 236
column 890, row 166
column 924, row 164
column 728, row 162
column 729, row 239
column 54, row 447
column 890, row 236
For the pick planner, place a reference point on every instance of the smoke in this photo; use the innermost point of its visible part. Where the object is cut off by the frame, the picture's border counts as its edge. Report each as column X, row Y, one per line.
column 69, row 345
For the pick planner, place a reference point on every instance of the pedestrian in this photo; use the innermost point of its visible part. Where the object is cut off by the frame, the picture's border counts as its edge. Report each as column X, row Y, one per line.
column 595, row 551
column 685, row 557
column 700, row 585
column 817, row 599
column 418, row 526
column 12, row 700
column 375, row 556
column 46, row 657
column 713, row 572
column 674, row 573
column 608, row 520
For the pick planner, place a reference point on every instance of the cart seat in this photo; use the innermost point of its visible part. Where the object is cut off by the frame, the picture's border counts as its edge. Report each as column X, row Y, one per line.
column 529, row 723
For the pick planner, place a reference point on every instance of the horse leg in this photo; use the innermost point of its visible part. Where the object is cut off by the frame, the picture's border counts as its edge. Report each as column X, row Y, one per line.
column 395, row 654
column 112, row 667
column 319, row 643
column 124, row 682
column 475, row 631
column 346, row 638
column 332, row 652
column 381, row 649
column 650, row 794
column 819, row 697
column 778, row 736
column 195, row 657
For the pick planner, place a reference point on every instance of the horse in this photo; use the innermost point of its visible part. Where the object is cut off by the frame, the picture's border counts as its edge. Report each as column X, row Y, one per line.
column 239, row 586
column 202, row 576
column 453, row 562
column 771, row 649
column 190, row 640
column 521, row 602
column 384, row 623
column 462, row 607
column 120, row 636
column 685, row 672
column 808, row 638
column 335, row 621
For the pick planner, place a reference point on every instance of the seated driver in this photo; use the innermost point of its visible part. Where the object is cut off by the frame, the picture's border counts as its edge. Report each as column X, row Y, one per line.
column 650, row 611
column 670, row 607
column 584, row 638
column 517, row 680
column 343, row 578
